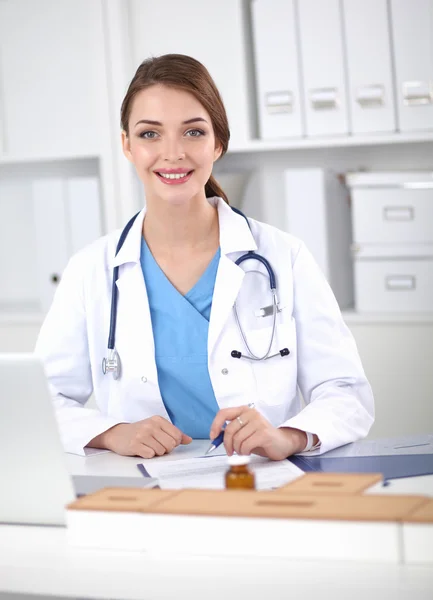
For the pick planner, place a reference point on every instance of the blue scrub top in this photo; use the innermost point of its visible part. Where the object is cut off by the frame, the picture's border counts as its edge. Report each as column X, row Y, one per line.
column 180, row 330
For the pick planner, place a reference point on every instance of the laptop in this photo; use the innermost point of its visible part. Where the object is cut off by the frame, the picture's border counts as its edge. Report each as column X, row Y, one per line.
column 35, row 482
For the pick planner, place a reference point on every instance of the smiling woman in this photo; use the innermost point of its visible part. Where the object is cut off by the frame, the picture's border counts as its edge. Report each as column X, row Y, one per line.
column 205, row 342
column 176, row 84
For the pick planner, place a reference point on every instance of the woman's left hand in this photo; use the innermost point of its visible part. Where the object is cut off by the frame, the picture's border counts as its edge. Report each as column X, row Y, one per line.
column 249, row 432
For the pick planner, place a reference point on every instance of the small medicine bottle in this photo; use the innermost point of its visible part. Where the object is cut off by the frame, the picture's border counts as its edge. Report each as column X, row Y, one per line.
column 238, row 476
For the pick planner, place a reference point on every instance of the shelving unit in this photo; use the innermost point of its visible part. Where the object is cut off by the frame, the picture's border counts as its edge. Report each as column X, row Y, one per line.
column 332, row 142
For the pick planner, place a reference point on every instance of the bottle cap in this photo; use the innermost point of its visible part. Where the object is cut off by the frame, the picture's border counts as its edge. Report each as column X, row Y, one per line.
column 237, row 460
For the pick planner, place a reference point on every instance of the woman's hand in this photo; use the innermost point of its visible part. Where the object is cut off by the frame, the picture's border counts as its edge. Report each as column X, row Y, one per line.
column 148, row 438
column 249, row 432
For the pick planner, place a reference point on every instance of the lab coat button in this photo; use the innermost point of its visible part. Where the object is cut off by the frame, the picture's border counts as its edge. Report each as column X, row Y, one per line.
column 143, row 379
column 224, row 371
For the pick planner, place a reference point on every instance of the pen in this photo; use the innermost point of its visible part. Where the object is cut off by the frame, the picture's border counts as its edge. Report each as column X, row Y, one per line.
column 220, row 437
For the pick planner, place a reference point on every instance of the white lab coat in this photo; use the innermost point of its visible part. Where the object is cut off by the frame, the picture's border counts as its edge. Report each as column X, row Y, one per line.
column 323, row 363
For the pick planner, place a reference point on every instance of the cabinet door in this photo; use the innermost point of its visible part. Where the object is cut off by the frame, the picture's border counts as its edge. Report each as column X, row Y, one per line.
column 321, row 46
column 211, row 32
column 371, row 90
column 52, row 235
column 51, row 77
column 66, row 219
column 276, row 65
column 412, row 29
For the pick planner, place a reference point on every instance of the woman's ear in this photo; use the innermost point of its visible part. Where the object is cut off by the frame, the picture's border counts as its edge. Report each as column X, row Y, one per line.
column 126, row 146
column 217, row 152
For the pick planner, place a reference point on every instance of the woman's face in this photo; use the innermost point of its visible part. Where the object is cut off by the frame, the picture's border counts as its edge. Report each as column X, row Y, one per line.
column 171, row 143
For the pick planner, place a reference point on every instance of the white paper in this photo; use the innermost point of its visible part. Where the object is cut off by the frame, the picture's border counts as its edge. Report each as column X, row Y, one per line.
column 208, row 473
column 195, row 449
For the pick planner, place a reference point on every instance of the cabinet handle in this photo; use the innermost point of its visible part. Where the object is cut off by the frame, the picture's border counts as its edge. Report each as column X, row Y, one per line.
column 55, row 278
column 279, row 102
column 324, row 98
column 417, row 92
column 399, row 213
column 370, row 96
column 400, row 282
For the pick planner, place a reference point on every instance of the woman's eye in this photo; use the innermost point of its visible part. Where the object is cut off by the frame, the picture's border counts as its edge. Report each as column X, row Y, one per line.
column 148, row 135
column 195, row 132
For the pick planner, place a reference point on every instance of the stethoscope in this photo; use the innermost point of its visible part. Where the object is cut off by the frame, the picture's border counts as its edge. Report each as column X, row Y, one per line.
column 111, row 364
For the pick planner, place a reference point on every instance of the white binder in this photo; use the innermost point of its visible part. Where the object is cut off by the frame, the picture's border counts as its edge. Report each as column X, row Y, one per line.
column 276, row 65
column 321, row 48
column 412, row 30
column 52, row 235
column 318, row 212
column 83, row 211
column 371, row 91
column 66, row 218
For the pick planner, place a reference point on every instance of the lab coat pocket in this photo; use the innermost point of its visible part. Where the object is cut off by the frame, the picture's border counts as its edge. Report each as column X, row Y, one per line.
column 275, row 377
column 134, row 398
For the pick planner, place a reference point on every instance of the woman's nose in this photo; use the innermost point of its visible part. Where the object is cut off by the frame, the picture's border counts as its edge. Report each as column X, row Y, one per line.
column 173, row 150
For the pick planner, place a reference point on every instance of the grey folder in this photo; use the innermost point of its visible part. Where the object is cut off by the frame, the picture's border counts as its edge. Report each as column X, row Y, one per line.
column 391, row 467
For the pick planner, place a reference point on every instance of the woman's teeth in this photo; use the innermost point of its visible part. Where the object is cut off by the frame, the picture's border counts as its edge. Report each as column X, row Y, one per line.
column 173, row 175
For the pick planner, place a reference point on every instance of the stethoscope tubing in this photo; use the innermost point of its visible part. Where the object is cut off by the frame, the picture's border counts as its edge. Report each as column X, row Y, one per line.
column 112, row 363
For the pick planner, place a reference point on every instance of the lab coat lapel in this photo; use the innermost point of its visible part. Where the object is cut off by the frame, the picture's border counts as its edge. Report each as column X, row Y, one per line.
column 134, row 322
column 235, row 239
column 227, row 285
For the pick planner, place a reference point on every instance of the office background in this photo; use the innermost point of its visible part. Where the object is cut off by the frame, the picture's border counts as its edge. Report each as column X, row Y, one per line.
column 335, row 87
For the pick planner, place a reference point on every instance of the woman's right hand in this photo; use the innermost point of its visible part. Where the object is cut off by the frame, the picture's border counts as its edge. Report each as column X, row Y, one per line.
column 151, row 437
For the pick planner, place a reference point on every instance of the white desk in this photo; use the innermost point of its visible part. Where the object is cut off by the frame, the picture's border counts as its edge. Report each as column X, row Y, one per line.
column 38, row 560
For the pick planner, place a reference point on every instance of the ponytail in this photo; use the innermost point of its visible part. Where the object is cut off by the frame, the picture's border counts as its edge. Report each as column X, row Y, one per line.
column 212, row 189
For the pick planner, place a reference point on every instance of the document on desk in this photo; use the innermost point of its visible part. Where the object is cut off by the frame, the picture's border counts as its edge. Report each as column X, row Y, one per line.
column 207, row 472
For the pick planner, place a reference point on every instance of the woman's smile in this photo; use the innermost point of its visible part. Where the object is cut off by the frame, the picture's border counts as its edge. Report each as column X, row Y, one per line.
column 174, row 176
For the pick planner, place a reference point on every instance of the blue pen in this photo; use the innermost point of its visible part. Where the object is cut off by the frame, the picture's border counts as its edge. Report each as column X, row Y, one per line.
column 220, row 437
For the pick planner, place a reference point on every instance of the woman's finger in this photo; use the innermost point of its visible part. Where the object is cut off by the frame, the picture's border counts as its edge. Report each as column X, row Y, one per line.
column 242, row 435
column 235, row 426
column 144, row 451
column 170, row 429
column 223, row 415
column 166, row 440
column 156, row 446
column 252, row 444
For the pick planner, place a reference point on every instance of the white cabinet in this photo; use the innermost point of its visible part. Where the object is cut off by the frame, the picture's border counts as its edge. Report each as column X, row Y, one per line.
column 51, row 77
column 412, row 30
column 394, row 286
column 66, row 216
column 44, row 220
column 370, row 83
column 277, row 69
column 393, row 241
column 322, row 52
column 211, row 32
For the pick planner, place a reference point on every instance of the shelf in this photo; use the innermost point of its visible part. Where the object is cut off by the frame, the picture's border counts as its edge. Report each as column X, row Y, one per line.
column 335, row 142
column 351, row 317
column 16, row 160
column 20, row 313
column 15, row 318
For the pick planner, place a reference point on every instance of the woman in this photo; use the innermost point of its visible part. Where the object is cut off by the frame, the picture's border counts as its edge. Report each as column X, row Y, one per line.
column 189, row 319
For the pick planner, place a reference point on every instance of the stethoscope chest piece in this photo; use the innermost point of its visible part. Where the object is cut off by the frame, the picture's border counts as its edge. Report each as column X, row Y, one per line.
column 111, row 364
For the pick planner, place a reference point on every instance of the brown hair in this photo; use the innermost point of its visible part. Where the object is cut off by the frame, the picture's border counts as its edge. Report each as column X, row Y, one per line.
column 184, row 73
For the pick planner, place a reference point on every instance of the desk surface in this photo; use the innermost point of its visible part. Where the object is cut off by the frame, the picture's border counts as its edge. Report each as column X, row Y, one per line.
column 107, row 463
column 38, row 560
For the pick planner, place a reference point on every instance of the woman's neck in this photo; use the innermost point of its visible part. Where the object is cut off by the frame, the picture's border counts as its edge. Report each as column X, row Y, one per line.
column 181, row 228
